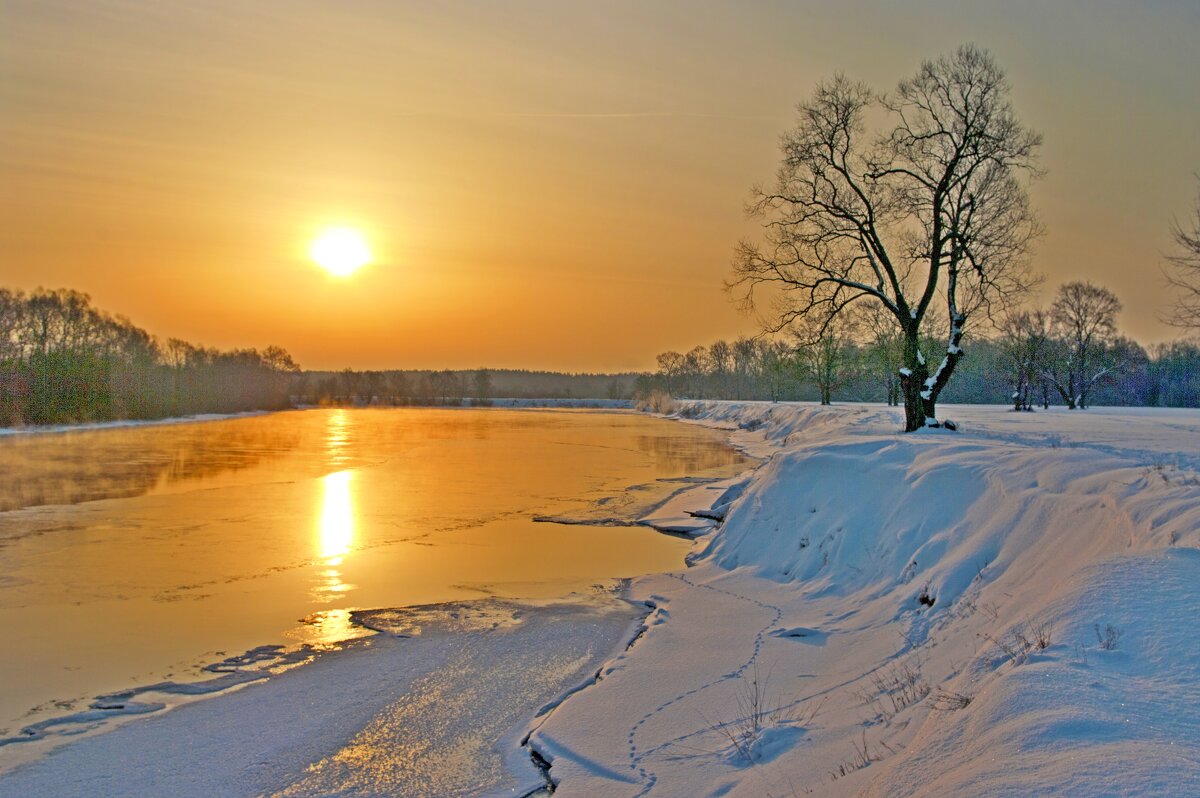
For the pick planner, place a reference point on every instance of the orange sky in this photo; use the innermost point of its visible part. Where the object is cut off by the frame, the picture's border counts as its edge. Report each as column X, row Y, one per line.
column 544, row 184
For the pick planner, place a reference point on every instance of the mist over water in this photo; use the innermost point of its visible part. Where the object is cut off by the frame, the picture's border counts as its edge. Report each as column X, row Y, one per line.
column 138, row 554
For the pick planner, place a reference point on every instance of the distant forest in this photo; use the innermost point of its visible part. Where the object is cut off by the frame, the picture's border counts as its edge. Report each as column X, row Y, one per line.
column 1069, row 354
column 448, row 387
column 1166, row 375
column 62, row 360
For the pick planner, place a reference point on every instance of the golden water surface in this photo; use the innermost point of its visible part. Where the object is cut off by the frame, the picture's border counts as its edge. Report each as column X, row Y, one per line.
column 135, row 554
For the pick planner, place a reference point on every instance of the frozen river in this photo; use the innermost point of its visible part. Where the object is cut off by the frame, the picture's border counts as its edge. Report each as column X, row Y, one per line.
column 137, row 555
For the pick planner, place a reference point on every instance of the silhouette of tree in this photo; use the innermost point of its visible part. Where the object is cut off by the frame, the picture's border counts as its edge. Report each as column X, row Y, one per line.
column 933, row 205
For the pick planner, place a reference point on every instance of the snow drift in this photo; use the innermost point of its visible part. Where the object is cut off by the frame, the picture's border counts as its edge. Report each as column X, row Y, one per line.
column 1012, row 609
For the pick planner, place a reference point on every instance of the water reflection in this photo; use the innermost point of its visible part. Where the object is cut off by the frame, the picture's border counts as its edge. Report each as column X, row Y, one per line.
column 326, row 627
column 336, row 528
column 121, row 462
column 687, row 455
column 337, row 437
column 335, row 533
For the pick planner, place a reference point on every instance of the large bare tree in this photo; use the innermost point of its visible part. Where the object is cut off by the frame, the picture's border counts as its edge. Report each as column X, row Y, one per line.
column 905, row 199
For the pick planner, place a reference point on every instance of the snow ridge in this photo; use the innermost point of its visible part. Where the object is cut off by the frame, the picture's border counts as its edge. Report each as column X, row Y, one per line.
column 1010, row 609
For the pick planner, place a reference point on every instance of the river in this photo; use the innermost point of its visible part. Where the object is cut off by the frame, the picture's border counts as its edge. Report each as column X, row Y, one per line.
column 134, row 555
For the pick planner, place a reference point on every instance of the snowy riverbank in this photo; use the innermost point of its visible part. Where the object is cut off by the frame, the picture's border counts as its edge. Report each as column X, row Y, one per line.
column 435, row 703
column 1012, row 609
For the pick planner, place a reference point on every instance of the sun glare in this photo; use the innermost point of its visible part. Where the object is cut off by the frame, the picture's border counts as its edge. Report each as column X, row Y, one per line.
column 341, row 251
column 336, row 526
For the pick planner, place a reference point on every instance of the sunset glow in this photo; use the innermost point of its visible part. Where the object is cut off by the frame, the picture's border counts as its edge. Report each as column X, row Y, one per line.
column 341, row 251
column 564, row 165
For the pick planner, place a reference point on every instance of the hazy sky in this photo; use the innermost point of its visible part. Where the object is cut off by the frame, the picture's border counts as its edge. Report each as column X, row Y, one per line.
column 544, row 184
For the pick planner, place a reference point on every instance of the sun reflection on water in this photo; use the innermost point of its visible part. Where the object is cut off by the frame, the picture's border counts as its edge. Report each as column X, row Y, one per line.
column 337, row 437
column 335, row 534
column 325, row 628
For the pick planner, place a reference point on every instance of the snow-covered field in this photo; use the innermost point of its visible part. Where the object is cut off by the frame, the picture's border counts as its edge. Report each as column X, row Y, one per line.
column 1012, row 609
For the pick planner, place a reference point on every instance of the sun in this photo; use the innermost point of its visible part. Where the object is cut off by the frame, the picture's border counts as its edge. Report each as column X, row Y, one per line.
column 341, row 251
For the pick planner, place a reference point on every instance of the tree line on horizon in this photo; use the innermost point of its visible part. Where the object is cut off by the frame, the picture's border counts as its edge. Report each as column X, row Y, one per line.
column 62, row 360
column 1070, row 353
column 449, row 387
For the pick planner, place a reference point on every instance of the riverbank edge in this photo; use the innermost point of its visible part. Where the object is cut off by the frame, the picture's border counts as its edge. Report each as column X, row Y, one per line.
column 757, row 449
column 90, row 426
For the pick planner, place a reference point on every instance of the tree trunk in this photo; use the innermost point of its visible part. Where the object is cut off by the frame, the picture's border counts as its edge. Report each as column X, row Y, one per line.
column 912, row 380
column 933, row 386
column 1068, row 397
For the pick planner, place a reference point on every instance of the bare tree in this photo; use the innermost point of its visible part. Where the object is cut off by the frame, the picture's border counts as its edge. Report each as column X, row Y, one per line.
column 398, row 386
column 482, row 387
column 695, row 371
column 933, row 205
column 447, row 387
column 884, row 348
column 1084, row 321
column 277, row 359
column 374, row 383
column 824, row 353
column 1185, row 274
column 746, row 357
column 11, row 318
column 776, row 367
column 720, row 358
column 1024, row 340
column 670, row 365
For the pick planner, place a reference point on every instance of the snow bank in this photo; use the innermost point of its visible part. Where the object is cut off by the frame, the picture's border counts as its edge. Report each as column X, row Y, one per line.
column 1080, row 719
column 563, row 402
column 435, row 703
column 1007, row 610
column 31, row 429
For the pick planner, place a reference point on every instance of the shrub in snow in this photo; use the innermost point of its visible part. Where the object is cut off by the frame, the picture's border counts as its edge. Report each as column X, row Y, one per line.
column 1022, row 640
column 949, row 701
column 893, row 690
column 656, row 402
column 762, row 729
column 1108, row 636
